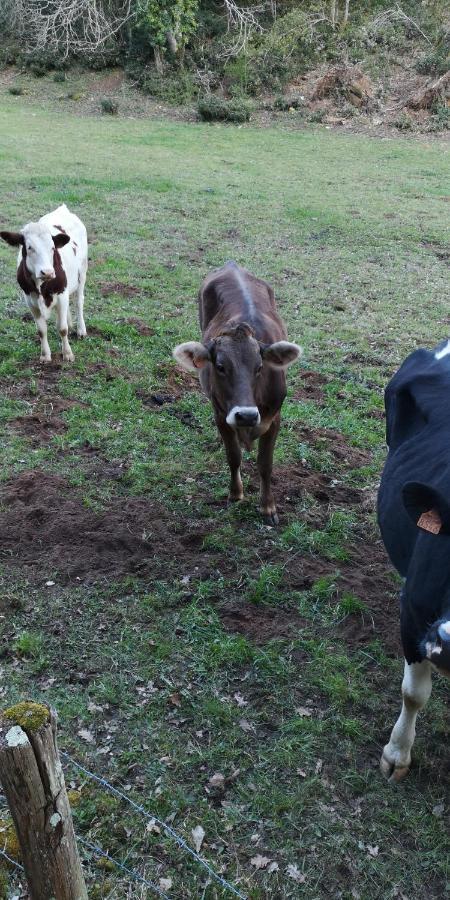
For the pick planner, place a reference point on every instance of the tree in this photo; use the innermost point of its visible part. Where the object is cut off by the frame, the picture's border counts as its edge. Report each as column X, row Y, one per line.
column 169, row 25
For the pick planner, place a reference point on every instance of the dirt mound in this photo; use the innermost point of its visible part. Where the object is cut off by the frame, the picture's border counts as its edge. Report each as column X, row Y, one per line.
column 311, row 387
column 140, row 326
column 260, row 623
column 38, row 428
column 291, row 482
column 45, row 529
column 336, row 444
column 118, row 287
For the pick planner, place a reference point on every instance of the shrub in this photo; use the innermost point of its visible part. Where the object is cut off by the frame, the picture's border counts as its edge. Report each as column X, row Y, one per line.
column 317, row 116
column 440, row 118
column 285, row 103
column 435, row 63
column 15, row 91
column 173, row 87
column 404, row 122
column 109, row 107
column 216, row 109
column 59, row 77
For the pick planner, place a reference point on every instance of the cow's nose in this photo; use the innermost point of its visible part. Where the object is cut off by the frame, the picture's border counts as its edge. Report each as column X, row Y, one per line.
column 246, row 418
column 47, row 273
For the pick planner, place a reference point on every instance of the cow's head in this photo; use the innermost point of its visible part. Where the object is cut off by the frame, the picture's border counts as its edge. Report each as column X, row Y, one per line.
column 38, row 246
column 430, row 510
column 236, row 361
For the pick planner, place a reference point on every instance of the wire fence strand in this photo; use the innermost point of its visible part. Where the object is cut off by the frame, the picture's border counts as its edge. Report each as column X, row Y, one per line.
column 101, row 853
column 167, row 828
column 12, row 861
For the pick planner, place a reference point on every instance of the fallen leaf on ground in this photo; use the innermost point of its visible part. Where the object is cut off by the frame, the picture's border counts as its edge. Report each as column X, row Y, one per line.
column 303, row 711
column 246, row 726
column 165, row 884
column 293, row 872
column 198, row 835
column 259, row 862
column 217, row 781
column 86, row 735
column 374, row 851
column 274, row 867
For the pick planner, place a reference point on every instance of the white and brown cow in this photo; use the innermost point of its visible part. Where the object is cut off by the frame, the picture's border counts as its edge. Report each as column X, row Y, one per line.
column 241, row 363
column 52, row 265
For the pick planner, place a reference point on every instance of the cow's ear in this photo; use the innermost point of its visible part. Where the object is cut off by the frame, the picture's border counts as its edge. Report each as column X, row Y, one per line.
column 60, row 240
column 281, row 354
column 191, row 356
column 426, row 506
column 14, row 238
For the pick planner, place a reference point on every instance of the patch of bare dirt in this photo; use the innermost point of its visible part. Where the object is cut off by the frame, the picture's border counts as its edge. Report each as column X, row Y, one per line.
column 140, row 326
column 177, row 382
column 118, row 287
column 260, row 623
column 46, row 530
column 107, row 84
column 38, row 429
column 311, row 387
column 336, row 444
column 295, row 481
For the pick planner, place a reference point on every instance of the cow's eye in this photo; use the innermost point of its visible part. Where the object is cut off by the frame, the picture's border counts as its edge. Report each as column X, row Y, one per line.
column 220, row 368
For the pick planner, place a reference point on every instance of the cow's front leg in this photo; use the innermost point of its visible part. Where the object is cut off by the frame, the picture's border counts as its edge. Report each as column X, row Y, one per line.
column 416, row 690
column 265, row 464
column 41, row 325
column 234, row 457
column 62, row 313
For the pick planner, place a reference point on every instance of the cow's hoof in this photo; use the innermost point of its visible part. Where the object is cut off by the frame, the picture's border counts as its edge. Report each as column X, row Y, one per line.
column 393, row 773
column 270, row 518
column 68, row 357
column 45, row 359
column 235, row 499
column 81, row 334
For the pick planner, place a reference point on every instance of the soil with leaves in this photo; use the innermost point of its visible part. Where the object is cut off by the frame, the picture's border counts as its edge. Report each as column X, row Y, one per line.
column 239, row 681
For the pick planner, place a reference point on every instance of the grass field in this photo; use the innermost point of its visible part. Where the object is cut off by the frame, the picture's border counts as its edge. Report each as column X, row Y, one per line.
column 179, row 639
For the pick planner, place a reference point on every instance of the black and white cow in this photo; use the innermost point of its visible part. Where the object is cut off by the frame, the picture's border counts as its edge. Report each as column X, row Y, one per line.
column 414, row 518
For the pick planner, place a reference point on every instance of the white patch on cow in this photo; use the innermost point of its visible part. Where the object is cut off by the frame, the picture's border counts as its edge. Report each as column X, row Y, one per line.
column 445, row 627
column 245, row 292
column 416, row 690
column 444, row 352
column 231, row 417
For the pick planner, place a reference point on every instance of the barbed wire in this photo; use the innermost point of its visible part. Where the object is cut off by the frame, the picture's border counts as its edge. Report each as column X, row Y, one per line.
column 12, row 861
column 99, row 852
column 167, row 828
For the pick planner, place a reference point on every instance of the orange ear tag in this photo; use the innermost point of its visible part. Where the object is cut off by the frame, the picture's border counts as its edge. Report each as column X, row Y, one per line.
column 430, row 521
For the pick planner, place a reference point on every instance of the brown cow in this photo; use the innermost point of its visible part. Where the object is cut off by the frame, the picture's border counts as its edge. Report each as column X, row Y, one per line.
column 241, row 365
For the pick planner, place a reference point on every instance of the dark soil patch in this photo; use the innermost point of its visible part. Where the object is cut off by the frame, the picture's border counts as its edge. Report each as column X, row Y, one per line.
column 38, row 428
column 140, row 326
column 336, row 444
column 46, row 530
column 155, row 400
column 366, row 576
column 260, row 623
column 294, row 481
column 311, row 387
column 95, row 464
column 118, row 287
column 176, row 381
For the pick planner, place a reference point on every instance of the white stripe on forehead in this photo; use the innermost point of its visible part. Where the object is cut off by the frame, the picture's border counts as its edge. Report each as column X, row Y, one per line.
column 36, row 229
column 444, row 352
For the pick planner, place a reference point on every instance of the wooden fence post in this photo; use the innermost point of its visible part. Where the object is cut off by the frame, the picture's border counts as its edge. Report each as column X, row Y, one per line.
column 33, row 782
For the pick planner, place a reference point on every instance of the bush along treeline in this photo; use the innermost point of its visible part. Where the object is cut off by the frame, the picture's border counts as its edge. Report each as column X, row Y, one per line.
column 223, row 53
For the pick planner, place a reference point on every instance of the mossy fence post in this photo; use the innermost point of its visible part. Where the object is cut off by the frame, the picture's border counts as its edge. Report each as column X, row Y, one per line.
column 33, row 782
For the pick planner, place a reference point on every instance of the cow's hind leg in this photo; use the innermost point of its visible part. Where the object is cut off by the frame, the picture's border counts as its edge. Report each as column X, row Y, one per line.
column 416, row 690
column 265, row 463
column 81, row 326
column 234, row 457
column 62, row 312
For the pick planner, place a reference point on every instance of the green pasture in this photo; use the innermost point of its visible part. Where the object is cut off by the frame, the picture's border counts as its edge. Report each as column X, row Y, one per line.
column 158, row 680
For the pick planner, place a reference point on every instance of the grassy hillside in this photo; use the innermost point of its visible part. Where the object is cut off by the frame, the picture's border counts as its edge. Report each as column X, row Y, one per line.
column 179, row 639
